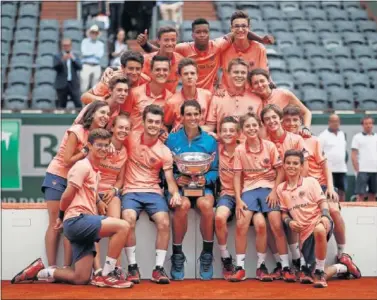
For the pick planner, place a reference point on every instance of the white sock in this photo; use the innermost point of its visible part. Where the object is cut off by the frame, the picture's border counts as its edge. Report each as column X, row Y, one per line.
column 340, row 268
column 240, row 259
column 284, row 260
column 109, row 265
column 277, row 257
column 261, row 259
column 46, row 274
column 320, row 264
column 295, row 250
column 160, row 257
column 224, row 251
column 96, row 272
column 302, row 261
column 131, row 254
column 341, row 249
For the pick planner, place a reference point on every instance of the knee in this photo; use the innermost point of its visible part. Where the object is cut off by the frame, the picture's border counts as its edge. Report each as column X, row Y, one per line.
column 260, row 227
column 163, row 225
column 183, row 208
column 242, row 227
column 320, row 231
column 206, row 207
column 125, row 225
column 277, row 228
column 130, row 220
column 220, row 221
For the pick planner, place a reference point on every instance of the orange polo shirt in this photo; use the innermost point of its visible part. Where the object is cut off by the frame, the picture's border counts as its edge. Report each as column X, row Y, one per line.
column 144, row 164
column 173, row 107
column 141, row 97
column 258, row 168
column 280, row 97
column 226, row 171
column 316, row 159
column 208, row 61
column 232, row 104
column 302, row 203
column 85, row 178
column 173, row 78
column 255, row 55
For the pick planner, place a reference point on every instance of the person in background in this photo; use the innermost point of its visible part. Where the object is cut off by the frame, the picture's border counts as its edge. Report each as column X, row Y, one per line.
column 334, row 142
column 171, row 11
column 67, row 82
column 119, row 47
column 364, row 160
column 92, row 51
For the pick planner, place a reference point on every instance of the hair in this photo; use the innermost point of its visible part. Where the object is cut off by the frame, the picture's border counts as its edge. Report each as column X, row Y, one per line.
column 291, row 110
column 159, row 58
column 165, row 29
column 131, row 56
column 192, row 103
column 366, row 117
column 258, row 72
column 247, row 116
column 229, row 119
column 237, row 61
column 297, row 153
column 239, row 14
column 98, row 134
column 184, row 62
column 87, row 118
column 122, row 116
column 118, row 79
column 199, row 21
column 272, row 107
column 154, row 110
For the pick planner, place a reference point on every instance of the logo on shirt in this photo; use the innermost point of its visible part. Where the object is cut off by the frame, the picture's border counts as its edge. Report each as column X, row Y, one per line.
column 251, row 64
column 54, row 182
column 152, row 160
column 301, row 194
column 266, row 161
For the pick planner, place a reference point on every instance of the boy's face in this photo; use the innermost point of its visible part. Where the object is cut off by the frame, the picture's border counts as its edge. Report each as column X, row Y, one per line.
column 292, row 123
column 292, row 166
column 99, row 148
column 229, row 133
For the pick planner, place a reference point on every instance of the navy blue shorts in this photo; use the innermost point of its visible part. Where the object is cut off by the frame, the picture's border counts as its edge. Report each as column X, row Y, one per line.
column 256, row 200
column 340, row 181
column 229, row 202
column 53, row 187
column 150, row 202
column 308, row 247
column 83, row 231
column 207, row 191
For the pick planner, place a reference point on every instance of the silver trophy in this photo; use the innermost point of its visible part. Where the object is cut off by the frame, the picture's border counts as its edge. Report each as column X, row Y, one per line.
column 193, row 164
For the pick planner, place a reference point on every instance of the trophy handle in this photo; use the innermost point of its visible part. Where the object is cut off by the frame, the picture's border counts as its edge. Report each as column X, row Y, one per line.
column 213, row 156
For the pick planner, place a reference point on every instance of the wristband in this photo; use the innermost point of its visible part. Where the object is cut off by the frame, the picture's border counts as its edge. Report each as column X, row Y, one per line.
column 325, row 212
column 85, row 150
column 307, row 128
column 116, row 190
column 287, row 220
column 61, row 214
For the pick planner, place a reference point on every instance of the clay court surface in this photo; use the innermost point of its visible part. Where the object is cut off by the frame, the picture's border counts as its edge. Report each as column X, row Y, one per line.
column 365, row 288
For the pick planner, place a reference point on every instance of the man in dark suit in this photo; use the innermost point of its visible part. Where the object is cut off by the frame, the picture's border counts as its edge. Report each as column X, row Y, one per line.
column 67, row 80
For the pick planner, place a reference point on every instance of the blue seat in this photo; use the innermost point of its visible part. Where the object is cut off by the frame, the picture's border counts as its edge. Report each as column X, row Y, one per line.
column 46, row 62
column 283, row 80
column 19, row 76
column 295, row 15
column 323, row 26
column 367, row 99
column 24, row 35
column 245, row 4
column 7, row 23
column 49, row 25
column 306, row 38
column 331, row 40
column 310, row 4
column 21, row 62
column 315, row 99
column 367, row 26
column 48, row 35
column 333, row 4
column 309, row 80
column 320, row 65
column 315, row 14
column 345, row 26
column 28, row 23
column 353, row 38
column 278, row 26
column 100, row 24
column 8, row 9
column 23, row 48
column 44, row 77
column 336, row 14
column 6, row 35
column 75, row 36
column 358, row 14
column 72, row 24
column 347, row 65
column 289, row 6
column 313, row 51
column 292, row 52
column 372, row 39
column 44, row 97
column 298, row 65
column 47, row 49
column 30, row 11
column 367, row 64
column 351, row 4
column 357, row 79
column 285, row 39
column 344, row 52
column 270, row 14
column 301, row 25
column 332, row 79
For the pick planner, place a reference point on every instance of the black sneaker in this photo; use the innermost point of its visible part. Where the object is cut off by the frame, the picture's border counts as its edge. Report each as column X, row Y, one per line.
column 177, row 271
column 133, row 273
column 228, row 267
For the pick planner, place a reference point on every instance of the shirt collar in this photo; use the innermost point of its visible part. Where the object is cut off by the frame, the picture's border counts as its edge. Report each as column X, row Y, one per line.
column 248, row 148
column 149, row 94
column 224, row 152
column 233, row 93
column 244, row 50
column 195, row 138
column 299, row 183
column 332, row 131
column 195, row 97
column 280, row 139
column 366, row 134
column 142, row 141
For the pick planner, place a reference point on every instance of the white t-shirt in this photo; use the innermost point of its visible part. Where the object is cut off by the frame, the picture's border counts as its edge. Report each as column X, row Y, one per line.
column 334, row 147
column 367, row 148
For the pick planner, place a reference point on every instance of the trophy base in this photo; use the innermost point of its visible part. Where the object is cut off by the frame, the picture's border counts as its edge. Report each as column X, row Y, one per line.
column 193, row 192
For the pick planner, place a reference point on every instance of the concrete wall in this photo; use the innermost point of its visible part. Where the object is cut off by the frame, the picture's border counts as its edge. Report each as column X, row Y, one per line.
column 23, row 241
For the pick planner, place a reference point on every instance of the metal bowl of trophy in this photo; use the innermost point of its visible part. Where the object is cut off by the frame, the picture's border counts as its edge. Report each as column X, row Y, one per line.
column 193, row 163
